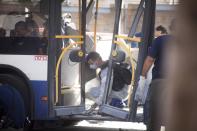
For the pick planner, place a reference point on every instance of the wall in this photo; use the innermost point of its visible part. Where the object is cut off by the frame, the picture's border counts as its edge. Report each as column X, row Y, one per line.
column 106, row 19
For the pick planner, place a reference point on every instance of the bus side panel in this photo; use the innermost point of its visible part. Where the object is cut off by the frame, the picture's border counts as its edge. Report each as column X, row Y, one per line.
column 41, row 99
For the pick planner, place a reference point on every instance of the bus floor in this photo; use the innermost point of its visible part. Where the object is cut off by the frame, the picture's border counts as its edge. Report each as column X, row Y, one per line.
column 89, row 125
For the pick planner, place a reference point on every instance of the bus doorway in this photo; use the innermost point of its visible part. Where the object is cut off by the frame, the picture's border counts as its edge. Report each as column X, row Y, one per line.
column 67, row 63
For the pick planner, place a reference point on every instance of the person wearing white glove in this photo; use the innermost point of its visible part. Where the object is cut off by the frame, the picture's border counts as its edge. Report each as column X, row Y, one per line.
column 140, row 90
column 151, row 98
column 143, row 86
column 140, row 94
column 97, row 93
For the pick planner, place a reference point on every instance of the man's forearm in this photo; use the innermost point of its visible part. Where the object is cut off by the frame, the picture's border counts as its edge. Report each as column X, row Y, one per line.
column 147, row 64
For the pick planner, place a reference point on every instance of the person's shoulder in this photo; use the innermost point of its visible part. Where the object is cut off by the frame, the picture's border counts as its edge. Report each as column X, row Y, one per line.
column 166, row 38
column 158, row 40
column 162, row 38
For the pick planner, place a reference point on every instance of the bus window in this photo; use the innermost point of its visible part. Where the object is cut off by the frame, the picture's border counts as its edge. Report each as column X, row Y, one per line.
column 25, row 28
column 2, row 32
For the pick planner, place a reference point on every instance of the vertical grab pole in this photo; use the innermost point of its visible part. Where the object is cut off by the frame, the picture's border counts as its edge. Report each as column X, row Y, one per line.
column 148, row 32
column 79, row 15
column 53, row 49
column 118, row 6
column 83, row 48
column 132, row 32
column 95, row 24
column 136, row 19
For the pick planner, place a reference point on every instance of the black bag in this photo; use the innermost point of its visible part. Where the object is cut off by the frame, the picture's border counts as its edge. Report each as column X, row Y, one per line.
column 122, row 76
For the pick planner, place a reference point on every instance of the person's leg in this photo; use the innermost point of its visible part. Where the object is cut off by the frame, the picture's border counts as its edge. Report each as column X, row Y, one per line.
column 156, row 104
column 117, row 98
column 152, row 122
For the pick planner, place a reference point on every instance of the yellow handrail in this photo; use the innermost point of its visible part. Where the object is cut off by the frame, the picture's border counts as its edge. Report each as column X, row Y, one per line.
column 58, row 64
column 128, row 38
column 79, row 15
column 68, row 36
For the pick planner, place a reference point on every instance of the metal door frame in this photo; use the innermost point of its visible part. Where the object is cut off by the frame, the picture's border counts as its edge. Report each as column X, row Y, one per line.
column 54, row 51
column 148, row 36
column 55, row 28
column 105, row 108
column 148, row 7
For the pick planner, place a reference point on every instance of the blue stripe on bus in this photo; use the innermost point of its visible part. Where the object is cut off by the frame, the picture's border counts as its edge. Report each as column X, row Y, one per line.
column 40, row 89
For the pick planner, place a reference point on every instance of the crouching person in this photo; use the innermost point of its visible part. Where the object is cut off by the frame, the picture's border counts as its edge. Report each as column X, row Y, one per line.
column 121, row 80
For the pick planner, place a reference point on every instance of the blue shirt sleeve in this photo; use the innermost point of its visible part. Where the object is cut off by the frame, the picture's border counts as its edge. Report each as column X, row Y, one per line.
column 155, row 48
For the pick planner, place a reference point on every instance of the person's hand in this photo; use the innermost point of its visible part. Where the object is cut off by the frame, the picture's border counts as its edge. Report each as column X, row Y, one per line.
column 140, row 90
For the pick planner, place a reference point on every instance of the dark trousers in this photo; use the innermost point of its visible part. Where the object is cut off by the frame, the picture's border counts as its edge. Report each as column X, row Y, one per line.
column 154, row 105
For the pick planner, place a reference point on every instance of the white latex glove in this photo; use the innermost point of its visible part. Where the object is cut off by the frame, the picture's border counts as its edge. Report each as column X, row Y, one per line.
column 139, row 94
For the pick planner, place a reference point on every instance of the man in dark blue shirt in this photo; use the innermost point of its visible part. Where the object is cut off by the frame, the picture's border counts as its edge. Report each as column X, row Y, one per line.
column 156, row 54
column 155, row 92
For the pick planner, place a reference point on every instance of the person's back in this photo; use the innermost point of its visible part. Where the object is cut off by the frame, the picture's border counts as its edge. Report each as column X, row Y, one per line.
column 121, row 76
column 121, row 79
